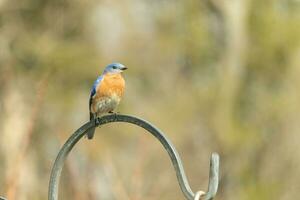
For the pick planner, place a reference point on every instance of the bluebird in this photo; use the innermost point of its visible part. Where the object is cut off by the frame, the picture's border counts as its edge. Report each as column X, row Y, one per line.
column 106, row 92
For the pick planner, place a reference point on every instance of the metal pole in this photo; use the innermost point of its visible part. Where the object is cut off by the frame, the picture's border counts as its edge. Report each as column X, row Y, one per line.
column 169, row 147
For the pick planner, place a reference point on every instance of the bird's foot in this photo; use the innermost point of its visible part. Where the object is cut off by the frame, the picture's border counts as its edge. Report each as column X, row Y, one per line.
column 113, row 112
column 97, row 122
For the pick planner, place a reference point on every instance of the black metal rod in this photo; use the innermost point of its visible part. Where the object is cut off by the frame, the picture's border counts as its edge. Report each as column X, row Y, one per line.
column 176, row 161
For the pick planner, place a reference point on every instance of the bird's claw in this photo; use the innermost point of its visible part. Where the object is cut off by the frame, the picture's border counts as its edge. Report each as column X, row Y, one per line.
column 97, row 122
column 112, row 112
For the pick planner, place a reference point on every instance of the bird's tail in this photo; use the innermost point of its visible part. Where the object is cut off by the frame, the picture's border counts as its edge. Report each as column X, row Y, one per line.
column 90, row 132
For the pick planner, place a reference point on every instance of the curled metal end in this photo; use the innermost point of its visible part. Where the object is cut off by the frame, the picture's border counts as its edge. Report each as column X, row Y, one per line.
column 213, row 180
column 213, row 177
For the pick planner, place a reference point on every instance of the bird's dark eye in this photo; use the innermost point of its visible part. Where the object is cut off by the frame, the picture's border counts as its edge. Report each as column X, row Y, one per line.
column 114, row 67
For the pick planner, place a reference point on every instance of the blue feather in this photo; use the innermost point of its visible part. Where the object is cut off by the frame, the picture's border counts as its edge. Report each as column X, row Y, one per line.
column 96, row 83
column 93, row 91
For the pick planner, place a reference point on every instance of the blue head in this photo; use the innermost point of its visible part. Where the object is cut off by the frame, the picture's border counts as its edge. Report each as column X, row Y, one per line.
column 114, row 68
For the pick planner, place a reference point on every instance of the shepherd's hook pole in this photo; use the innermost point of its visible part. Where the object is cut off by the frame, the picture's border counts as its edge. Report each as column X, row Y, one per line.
column 169, row 147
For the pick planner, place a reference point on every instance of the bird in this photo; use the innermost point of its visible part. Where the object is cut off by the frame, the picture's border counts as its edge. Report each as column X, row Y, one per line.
column 106, row 93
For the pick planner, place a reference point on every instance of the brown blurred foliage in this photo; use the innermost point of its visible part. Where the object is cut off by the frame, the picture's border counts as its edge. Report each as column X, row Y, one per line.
column 214, row 75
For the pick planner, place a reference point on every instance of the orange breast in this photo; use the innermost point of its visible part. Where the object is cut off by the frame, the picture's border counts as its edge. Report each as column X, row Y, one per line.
column 112, row 84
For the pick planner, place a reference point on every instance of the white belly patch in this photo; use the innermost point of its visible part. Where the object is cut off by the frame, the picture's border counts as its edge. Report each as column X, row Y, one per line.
column 107, row 104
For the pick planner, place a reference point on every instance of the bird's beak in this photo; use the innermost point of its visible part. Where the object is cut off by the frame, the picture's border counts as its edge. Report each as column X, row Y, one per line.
column 124, row 68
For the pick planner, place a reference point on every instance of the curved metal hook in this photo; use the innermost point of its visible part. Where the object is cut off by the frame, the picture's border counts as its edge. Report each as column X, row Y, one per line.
column 176, row 161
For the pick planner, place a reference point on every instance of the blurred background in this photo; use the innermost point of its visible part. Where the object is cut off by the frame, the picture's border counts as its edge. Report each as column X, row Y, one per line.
column 214, row 75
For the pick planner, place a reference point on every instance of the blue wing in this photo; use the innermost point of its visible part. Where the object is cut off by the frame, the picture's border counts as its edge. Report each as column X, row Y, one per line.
column 96, row 83
column 93, row 91
column 90, row 133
